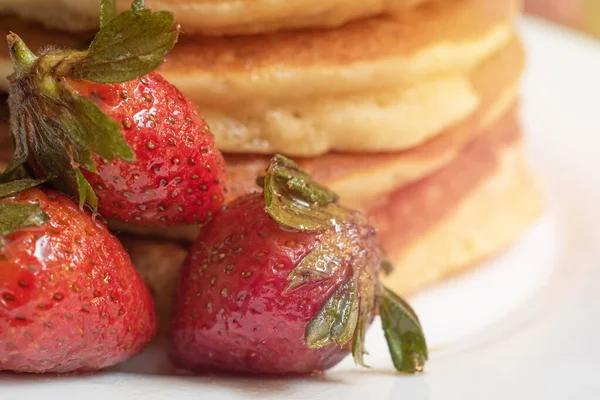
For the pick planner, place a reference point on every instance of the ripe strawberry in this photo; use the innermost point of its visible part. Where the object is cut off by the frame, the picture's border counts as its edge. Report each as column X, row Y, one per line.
column 176, row 177
column 70, row 300
column 102, row 126
column 286, row 283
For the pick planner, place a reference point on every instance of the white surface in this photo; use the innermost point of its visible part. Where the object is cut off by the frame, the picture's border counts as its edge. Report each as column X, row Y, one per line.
column 525, row 326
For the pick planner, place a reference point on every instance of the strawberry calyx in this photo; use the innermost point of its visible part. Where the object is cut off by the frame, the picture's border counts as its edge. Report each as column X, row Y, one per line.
column 16, row 216
column 403, row 332
column 295, row 201
column 57, row 131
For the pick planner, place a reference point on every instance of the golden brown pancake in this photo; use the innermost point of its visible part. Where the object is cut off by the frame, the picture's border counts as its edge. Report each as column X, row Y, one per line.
column 378, row 84
column 481, row 227
column 214, row 17
column 306, row 93
column 441, row 37
column 447, row 37
column 468, row 211
column 347, row 173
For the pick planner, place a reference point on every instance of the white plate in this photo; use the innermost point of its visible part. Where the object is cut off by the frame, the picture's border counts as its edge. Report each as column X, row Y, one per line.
column 525, row 326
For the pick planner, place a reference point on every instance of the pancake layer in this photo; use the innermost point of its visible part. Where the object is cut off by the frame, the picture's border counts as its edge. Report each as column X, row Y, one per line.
column 214, row 17
column 467, row 212
column 446, row 37
column 307, row 93
column 347, row 173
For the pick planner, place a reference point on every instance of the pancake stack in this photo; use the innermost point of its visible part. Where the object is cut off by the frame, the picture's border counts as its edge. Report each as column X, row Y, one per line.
column 408, row 109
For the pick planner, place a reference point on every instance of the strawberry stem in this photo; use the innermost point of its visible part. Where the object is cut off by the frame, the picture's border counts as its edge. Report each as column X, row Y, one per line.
column 22, row 58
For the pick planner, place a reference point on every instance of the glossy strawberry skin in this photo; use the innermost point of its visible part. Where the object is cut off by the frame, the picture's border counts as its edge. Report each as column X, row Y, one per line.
column 70, row 299
column 232, row 312
column 177, row 175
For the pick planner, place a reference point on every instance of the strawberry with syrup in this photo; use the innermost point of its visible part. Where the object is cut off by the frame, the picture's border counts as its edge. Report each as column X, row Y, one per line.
column 286, row 282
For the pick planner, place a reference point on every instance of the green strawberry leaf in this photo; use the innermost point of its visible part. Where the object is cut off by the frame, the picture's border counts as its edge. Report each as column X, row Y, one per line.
column 288, row 172
column 85, row 192
column 366, row 277
column 16, row 216
column 336, row 321
column 128, row 46
column 17, row 186
column 23, row 59
column 86, row 124
column 294, row 200
column 346, row 314
column 57, row 131
column 108, row 11
column 358, row 345
column 322, row 263
column 403, row 333
column 296, row 215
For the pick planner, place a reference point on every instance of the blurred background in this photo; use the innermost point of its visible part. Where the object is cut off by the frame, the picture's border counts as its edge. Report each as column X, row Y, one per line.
column 580, row 14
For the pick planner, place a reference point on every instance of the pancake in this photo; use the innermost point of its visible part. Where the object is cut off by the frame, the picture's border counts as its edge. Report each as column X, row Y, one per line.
column 309, row 92
column 348, row 174
column 214, row 17
column 386, row 83
column 483, row 226
column 464, row 214
column 446, row 37
column 440, row 38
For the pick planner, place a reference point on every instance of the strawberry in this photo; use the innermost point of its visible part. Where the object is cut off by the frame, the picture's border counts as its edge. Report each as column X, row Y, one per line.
column 286, row 282
column 102, row 126
column 70, row 299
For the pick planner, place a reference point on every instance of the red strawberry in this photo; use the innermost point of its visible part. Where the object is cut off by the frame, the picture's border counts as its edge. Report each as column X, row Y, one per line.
column 70, row 299
column 286, row 283
column 102, row 126
column 177, row 174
